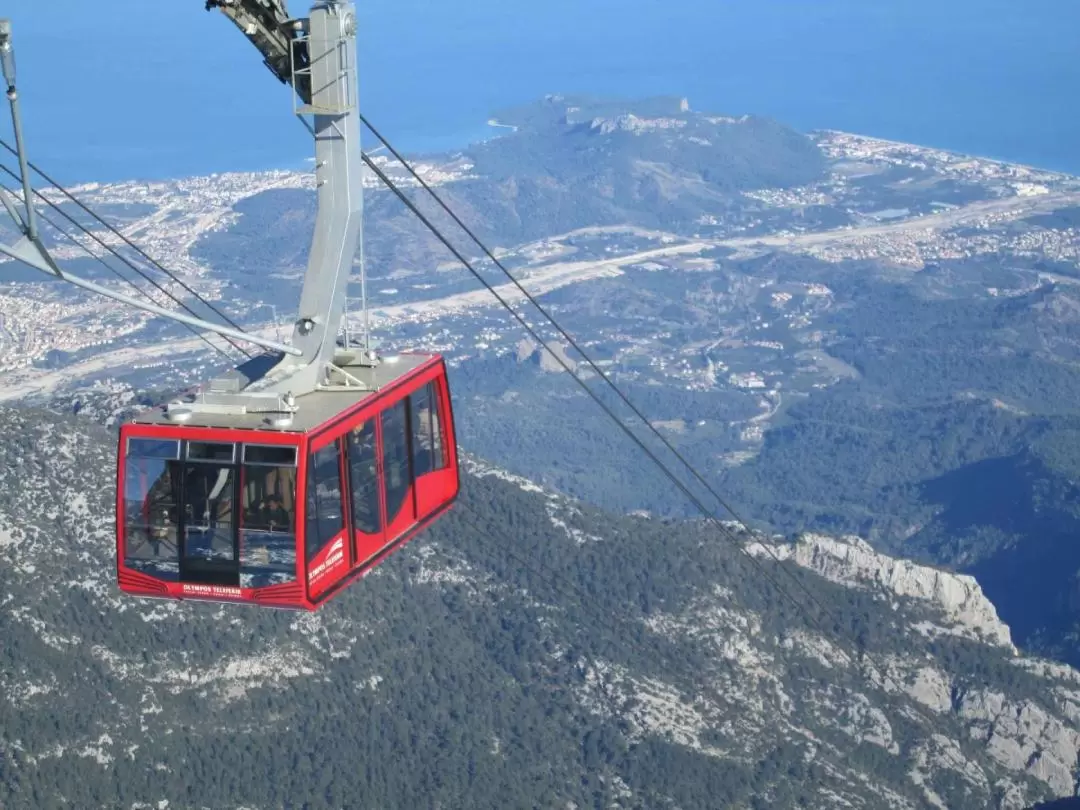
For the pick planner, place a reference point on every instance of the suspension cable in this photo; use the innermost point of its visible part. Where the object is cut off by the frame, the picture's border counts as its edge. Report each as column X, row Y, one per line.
column 723, row 530
column 580, row 599
column 130, row 244
column 592, row 364
column 112, row 269
column 52, row 223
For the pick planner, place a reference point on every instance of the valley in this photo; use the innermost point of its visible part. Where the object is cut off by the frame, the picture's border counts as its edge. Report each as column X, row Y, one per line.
column 871, row 349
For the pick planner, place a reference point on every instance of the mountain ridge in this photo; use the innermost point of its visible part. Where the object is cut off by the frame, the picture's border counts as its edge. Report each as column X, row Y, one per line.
column 643, row 661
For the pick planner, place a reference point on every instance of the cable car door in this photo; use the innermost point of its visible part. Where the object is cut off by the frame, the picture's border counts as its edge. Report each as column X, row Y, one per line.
column 208, row 549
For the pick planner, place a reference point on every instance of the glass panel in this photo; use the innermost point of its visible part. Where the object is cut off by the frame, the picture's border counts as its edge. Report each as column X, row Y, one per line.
column 210, row 451
column 325, row 515
column 208, row 512
column 395, row 457
column 364, row 478
column 150, row 516
column 154, row 448
column 427, row 442
column 268, row 525
column 267, row 454
column 438, row 448
column 423, row 451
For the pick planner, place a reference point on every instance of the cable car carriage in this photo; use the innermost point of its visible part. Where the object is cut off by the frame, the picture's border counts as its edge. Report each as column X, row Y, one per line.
column 284, row 509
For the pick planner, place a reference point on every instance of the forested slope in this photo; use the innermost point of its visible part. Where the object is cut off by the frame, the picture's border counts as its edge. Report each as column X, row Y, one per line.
column 525, row 652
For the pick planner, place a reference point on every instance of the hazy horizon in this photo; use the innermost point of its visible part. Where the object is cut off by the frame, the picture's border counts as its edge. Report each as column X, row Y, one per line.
column 988, row 79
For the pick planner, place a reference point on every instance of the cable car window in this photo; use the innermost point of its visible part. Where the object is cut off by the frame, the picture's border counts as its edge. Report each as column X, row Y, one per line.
column 209, row 509
column 364, row 478
column 395, row 441
column 426, row 446
column 437, row 445
column 211, row 451
column 154, row 448
column 325, row 512
column 268, row 525
column 270, row 454
column 151, row 487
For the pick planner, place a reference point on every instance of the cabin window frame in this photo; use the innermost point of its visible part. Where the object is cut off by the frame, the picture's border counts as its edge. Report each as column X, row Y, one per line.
column 401, row 489
column 371, row 478
column 228, row 494
column 257, row 539
column 429, row 429
column 179, row 459
column 313, row 514
column 138, row 521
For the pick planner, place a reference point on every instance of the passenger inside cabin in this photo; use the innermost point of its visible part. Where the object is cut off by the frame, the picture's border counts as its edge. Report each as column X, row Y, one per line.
column 274, row 515
column 269, row 514
column 162, row 533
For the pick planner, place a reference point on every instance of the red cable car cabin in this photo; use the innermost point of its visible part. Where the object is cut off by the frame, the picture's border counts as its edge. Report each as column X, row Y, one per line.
column 227, row 508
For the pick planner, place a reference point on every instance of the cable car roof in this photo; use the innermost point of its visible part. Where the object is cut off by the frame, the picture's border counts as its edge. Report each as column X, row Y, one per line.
column 313, row 408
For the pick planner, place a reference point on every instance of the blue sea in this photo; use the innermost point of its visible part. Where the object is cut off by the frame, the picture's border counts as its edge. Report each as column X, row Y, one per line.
column 113, row 91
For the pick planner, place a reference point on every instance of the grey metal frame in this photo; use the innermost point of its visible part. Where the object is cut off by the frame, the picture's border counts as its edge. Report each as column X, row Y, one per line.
column 330, row 39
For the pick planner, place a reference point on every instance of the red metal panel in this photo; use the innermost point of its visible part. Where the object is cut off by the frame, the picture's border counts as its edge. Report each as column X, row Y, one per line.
column 381, row 557
column 401, row 387
column 138, row 582
column 329, row 565
column 289, row 594
column 368, row 545
column 119, row 527
column 435, row 489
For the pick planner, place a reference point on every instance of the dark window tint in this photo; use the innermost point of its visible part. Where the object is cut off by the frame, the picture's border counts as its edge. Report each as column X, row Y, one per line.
column 154, row 448
column 325, row 513
column 266, row 454
column 395, row 439
column 427, row 444
column 363, row 478
column 210, row 451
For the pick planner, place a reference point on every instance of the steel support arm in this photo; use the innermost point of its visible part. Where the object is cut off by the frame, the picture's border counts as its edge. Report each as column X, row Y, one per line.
column 7, row 63
column 331, row 37
column 34, row 256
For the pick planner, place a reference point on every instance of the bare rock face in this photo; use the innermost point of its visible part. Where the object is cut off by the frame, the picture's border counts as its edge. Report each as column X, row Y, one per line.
column 632, row 123
column 530, row 350
column 852, row 561
column 1023, row 736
